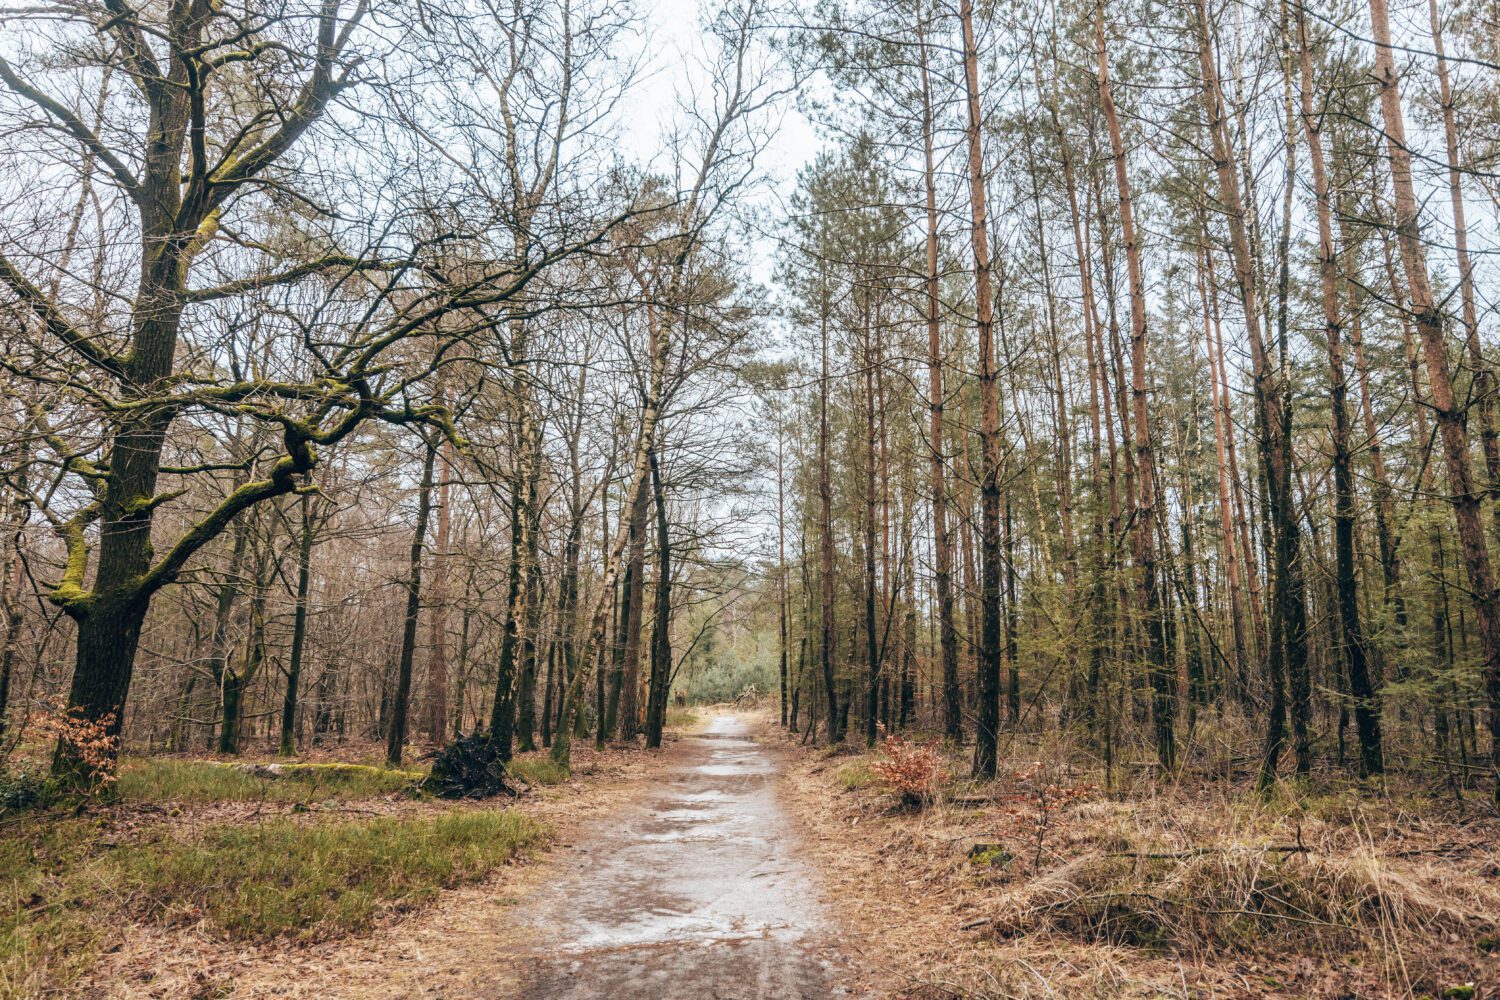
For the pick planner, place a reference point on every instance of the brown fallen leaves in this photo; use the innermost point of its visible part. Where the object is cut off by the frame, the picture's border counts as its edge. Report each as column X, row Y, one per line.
column 1152, row 893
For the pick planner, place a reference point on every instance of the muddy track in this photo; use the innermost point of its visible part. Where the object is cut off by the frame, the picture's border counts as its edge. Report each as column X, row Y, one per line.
column 694, row 891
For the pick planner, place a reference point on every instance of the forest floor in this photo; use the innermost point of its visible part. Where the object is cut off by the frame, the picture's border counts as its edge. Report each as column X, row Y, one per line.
column 202, row 880
column 651, row 875
column 1043, row 885
column 742, row 864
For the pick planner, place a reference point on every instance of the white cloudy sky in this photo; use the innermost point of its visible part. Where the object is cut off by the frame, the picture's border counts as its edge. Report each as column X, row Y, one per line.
column 675, row 67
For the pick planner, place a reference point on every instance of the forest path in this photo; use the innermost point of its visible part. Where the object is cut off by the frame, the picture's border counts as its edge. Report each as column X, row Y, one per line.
column 695, row 891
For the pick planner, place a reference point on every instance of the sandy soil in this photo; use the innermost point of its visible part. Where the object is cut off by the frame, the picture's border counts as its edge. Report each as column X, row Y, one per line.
column 698, row 890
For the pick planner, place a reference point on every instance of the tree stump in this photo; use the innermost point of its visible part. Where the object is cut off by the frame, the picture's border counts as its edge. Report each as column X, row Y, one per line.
column 468, row 768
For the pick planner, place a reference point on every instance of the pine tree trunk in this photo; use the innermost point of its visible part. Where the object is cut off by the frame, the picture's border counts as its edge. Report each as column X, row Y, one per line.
column 825, row 541
column 661, row 629
column 1288, row 652
column 1449, row 416
column 1010, row 654
column 872, row 644
column 632, row 614
column 1162, row 679
column 941, row 542
column 1227, row 544
column 1361, row 689
column 1484, row 377
column 1299, row 676
column 781, row 589
column 1385, row 517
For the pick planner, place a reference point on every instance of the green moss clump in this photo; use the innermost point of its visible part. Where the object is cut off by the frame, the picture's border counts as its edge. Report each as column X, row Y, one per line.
column 990, row 856
column 171, row 779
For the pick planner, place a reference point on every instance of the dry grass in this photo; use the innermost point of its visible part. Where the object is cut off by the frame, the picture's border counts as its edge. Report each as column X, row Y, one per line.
column 1202, row 892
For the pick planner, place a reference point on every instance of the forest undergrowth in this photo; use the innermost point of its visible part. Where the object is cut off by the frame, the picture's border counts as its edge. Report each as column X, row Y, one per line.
column 1059, row 880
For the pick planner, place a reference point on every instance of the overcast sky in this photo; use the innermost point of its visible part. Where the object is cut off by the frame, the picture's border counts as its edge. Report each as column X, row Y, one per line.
column 674, row 38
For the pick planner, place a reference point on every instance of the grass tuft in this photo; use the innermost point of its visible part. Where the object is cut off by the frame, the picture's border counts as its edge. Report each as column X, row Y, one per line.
column 682, row 718
column 857, row 775
column 309, row 881
column 63, row 892
column 538, row 770
column 1233, row 891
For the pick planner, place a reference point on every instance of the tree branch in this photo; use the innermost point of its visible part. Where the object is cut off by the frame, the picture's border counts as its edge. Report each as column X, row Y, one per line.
column 44, row 308
column 73, row 125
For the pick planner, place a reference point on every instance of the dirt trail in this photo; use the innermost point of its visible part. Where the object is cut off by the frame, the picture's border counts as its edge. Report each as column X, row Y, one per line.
column 694, row 891
column 679, row 877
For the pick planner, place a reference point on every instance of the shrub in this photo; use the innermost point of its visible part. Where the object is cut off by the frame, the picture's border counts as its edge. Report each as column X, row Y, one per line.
column 25, row 790
column 1034, row 809
column 85, row 744
column 912, row 770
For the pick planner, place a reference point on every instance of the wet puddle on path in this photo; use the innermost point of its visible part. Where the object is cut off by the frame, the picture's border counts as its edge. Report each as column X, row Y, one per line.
column 692, row 892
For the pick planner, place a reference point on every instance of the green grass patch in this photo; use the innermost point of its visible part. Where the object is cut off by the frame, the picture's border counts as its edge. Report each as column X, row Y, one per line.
column 170, row 779
column 63, row 893
column 857, row 775
column 538, row 770
column 48, row 935
column 309, row 881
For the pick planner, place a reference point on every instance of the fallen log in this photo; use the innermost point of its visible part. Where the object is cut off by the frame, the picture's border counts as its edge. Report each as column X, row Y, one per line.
column 1202, row 851
column 292, row 770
